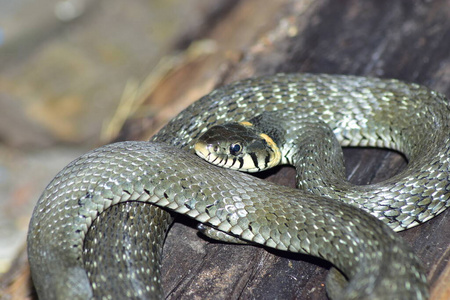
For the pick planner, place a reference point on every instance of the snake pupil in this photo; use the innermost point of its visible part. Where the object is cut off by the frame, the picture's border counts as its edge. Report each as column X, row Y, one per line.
column 235, row 149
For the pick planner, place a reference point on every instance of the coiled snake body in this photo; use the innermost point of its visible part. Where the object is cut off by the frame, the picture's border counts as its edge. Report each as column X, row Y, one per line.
column 361, row 112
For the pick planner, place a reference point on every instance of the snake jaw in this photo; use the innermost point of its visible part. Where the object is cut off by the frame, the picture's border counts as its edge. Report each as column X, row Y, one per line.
column 201, row 150
column 210, row 153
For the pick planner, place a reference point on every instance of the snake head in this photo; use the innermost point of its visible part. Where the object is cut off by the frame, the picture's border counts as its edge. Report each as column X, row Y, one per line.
column 238, row 146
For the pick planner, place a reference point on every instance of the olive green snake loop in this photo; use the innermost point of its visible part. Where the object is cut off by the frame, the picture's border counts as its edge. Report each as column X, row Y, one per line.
column 360, row 111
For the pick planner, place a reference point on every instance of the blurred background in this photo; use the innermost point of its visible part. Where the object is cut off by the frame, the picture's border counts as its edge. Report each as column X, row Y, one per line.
column 71, row 73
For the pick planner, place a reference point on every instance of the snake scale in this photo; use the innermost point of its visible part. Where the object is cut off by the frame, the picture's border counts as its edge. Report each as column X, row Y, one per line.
column 360, row 111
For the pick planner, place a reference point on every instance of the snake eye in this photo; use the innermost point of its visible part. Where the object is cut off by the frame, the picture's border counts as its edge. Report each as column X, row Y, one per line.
column 235, row 149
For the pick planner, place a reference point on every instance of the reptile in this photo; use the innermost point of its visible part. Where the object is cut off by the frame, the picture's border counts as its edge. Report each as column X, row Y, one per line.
column 350, row 226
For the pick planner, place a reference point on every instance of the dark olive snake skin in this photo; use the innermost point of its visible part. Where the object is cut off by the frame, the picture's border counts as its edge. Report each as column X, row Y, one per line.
column 361, row 112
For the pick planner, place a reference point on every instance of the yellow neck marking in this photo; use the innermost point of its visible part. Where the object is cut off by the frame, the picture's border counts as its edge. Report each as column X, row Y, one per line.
column 276, row 157
column 246, row 123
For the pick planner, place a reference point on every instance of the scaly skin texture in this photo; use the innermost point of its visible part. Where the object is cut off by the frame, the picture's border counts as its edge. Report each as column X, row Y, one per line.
column 360, row 111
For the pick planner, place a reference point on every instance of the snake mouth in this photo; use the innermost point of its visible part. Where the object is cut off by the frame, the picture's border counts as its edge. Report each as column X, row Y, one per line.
column 201, row 150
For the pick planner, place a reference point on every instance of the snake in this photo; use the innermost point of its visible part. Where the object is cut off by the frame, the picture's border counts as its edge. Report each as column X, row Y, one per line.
column 351, row 226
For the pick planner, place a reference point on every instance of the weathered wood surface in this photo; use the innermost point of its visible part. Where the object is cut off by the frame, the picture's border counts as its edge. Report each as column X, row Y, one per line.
column 408, row 40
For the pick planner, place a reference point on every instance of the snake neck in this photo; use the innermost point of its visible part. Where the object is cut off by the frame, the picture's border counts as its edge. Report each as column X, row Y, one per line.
column 308, row 144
